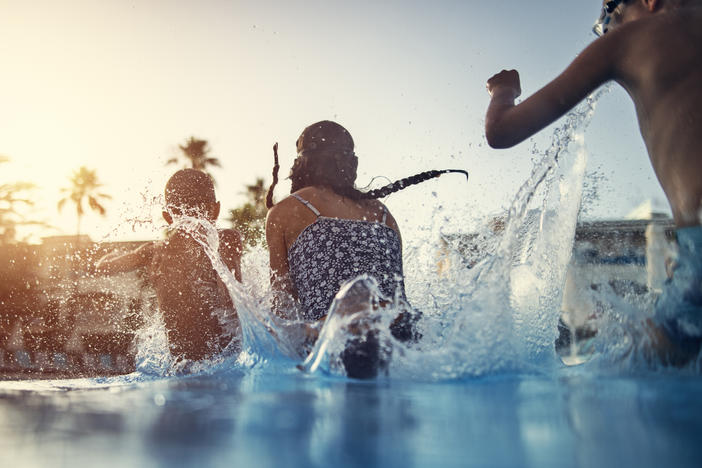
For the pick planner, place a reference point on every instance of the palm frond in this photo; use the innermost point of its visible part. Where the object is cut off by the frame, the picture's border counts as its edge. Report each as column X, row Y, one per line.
column 96, row 206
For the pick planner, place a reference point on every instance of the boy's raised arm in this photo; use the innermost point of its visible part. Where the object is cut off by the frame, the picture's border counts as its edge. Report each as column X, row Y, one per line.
column 507, row 124
column 120, row 262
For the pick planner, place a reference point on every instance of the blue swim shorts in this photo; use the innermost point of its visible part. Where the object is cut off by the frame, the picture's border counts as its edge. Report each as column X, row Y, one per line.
column 679, row 308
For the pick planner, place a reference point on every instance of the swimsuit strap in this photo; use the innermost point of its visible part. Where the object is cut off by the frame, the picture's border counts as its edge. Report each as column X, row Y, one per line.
column 307, row 204
column 317, row 213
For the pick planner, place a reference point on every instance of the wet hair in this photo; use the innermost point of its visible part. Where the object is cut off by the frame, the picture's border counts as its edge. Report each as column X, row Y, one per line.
column 326, row 157
column 189, row 188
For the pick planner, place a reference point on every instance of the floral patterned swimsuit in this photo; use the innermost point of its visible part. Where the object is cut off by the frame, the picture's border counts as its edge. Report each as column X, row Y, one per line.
column 332, row 251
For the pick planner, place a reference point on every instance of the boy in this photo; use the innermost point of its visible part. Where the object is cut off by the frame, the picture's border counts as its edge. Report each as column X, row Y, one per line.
column 653, row 48
column 190, row 294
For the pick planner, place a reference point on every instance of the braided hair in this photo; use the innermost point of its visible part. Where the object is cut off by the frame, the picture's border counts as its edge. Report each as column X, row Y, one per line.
column 407, row 181
column 276, row 167
column 352, row 192
column 326, row 157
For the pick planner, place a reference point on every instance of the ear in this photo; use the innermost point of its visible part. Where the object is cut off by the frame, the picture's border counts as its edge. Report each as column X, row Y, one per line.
column 167, row 216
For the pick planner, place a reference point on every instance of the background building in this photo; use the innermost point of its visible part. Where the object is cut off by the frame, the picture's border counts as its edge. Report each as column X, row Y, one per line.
column 58, row 316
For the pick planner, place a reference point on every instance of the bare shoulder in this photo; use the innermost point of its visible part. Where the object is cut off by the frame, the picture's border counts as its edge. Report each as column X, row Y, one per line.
column 279, row 207
column 287, row 207
column 230, row 241
column 378, row 208
column 231, row 236
column 653, row 33
column 309, row 192
column 276, row 214
column 658, row 50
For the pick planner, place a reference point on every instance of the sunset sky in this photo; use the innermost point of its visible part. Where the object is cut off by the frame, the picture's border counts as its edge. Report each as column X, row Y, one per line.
column 117, row 85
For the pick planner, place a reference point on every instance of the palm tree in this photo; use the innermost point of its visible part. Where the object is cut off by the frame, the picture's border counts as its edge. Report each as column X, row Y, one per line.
column 256, row 194
column 84, row 186
column 249, row 218
column 12, row 196
column 197, row 155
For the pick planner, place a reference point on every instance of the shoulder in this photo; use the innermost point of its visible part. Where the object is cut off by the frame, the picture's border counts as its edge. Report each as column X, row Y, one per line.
column 376, row 208
column 278, row 212
column 290, row 206
column 309, row 192
column 229, row 235
column 618, row 44
column 230, row 239
column 376, row 204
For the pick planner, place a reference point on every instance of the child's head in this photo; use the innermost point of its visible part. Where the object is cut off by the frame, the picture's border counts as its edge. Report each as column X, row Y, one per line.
column 615, row 12
column 190, row 192
column 325, row 156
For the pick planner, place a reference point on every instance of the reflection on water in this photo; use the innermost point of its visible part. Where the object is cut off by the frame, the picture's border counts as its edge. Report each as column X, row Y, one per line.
column 259, row 419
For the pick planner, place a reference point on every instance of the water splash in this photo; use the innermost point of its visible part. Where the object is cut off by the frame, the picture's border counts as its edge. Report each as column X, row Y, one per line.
column 490, row 299
column 263, row 335
column 495, row 305
column 490, row 307
column 490, row 312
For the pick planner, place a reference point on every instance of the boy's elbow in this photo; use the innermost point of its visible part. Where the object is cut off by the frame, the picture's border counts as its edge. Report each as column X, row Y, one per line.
column 102, row 266
column 498, row 140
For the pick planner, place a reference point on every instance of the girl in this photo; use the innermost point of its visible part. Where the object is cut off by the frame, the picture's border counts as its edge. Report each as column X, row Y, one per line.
column 327, row 232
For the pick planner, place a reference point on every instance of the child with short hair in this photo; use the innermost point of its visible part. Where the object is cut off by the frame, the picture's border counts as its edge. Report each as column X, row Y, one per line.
column 190, row 293
column 653, row 48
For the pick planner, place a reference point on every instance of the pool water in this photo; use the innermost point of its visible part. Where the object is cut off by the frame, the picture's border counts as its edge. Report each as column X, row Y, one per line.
column 566, row 418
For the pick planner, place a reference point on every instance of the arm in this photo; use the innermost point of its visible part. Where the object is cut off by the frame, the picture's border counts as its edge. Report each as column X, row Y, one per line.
column 278, row 255
column 120, row 262
column 507, row 125
column 231, row 248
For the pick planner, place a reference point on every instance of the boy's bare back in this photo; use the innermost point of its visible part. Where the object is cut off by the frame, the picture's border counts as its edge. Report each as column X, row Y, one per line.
column 192, row 298
column 197, row 309
column 656, row 55
column 661, row 67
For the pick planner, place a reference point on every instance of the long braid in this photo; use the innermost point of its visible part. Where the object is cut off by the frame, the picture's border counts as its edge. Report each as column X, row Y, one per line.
column 404, row 183
column 343, row 188
column 276, row 167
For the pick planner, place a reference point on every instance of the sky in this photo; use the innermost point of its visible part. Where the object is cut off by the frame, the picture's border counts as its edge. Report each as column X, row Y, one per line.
column 116, row 85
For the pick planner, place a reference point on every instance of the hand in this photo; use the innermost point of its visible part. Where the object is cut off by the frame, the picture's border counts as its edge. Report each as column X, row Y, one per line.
column 507, row 80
